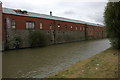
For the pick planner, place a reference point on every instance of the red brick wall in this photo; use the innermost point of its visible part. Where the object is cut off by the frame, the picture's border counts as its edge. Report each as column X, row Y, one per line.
column 95, row 31
column 20, row 23
column 0, row 21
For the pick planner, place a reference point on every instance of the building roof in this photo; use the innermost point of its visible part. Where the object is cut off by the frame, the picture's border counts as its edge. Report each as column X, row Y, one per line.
column 38, row 15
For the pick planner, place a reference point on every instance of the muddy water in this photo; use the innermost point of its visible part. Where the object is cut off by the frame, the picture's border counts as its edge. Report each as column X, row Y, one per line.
column 38, row 63
column 0, row 65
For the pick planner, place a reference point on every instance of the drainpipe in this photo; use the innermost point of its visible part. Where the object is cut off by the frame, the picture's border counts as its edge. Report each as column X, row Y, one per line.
column 54, row 34
column 85, row 32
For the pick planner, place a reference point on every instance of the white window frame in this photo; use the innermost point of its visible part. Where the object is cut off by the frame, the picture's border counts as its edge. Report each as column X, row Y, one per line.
column 13, row 24
column 41, row 26
column 30, row 25
column 76, row 28
column 50, row 26
column 58, row 25
column 27, row 24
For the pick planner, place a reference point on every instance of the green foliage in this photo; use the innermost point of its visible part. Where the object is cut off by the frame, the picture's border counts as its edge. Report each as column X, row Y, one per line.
column 37, row 39
column 18, row 42
column 112, row 23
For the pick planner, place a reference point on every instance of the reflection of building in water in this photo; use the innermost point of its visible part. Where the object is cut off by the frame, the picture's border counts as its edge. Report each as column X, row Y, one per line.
column 0, row 65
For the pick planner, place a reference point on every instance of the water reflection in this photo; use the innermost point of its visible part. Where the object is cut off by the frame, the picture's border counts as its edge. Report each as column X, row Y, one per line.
column 42, row 61
column 0, row 64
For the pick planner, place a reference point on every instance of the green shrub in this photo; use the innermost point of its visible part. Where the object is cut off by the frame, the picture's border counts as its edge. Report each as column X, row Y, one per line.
column 115, row 43
column 112, row 23
column 18, row 42
column 37, row 39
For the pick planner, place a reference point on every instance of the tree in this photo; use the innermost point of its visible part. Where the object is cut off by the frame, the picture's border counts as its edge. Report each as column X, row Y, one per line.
column 37, row 39
column 112, row 23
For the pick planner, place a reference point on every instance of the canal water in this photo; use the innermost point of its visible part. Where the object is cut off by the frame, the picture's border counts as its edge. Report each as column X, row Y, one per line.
column 40, row 62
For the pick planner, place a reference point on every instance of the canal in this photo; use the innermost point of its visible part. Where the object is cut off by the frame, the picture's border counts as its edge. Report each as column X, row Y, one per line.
column 39, row 62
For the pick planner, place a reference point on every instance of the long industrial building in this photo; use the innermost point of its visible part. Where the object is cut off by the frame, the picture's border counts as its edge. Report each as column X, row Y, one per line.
column 18, row 23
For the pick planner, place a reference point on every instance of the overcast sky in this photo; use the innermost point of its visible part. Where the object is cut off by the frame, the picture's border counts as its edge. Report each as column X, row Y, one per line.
column 85, row 10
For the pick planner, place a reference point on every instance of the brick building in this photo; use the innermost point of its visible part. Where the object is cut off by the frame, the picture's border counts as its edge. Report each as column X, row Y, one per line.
column 58, row 30
column 0, row 26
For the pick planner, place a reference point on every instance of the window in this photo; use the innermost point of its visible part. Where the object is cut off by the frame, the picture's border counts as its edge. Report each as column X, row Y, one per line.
column 66, row 26
column 59, row 26
column 30, row 25
column 50, row 26
column 80, row 28
column 71, row 28
column 13, row 24
column 83, row 28
column 76, row 28
column 41, row 26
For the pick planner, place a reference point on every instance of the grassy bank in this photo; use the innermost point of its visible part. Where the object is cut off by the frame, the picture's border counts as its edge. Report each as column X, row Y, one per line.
column 102, row 65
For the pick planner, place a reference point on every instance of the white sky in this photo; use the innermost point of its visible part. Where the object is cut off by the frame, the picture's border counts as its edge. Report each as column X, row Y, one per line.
column 85, row 10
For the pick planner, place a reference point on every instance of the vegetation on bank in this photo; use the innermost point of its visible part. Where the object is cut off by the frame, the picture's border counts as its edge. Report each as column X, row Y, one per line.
column 18, row 42
column 37, row 39
column 112, row 23
column 102, row 65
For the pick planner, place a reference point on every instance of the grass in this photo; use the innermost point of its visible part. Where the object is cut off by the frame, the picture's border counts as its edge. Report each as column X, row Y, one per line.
column 102, row 65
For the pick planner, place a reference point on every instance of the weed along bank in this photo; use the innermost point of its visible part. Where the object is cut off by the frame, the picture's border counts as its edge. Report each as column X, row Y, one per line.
column 23, row 29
